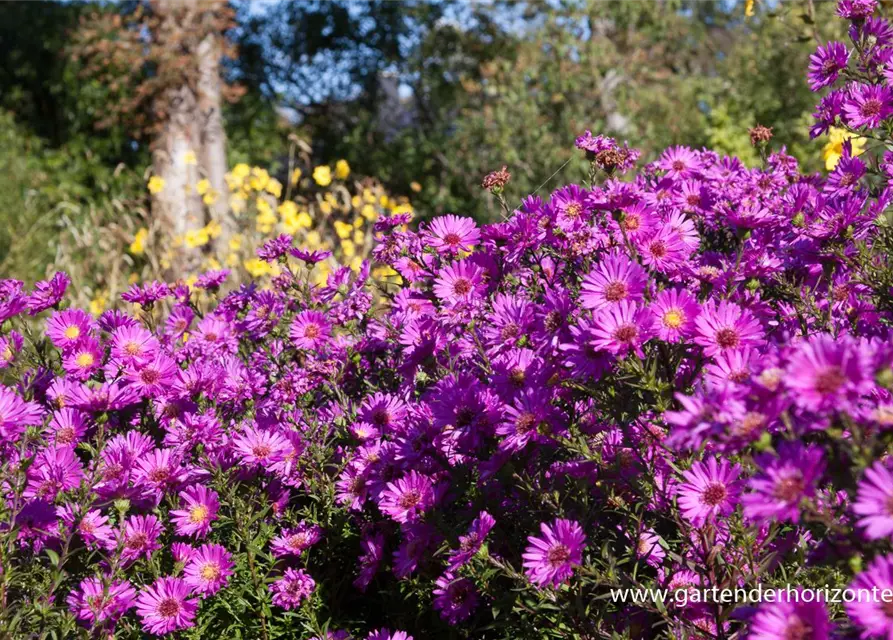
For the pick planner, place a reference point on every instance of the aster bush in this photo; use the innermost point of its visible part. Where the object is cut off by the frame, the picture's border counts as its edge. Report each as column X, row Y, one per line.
column 677, row 376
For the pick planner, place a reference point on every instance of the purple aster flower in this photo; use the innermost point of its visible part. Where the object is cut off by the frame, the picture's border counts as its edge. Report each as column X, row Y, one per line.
column 158, row 471
column 675, row 312
column 615, row 279
column 874, row 497
column 310, row 257
column 872, row 614
column 451, row 234
column 709, row 490
column 182, row 552
column 649, row 549
column 83, row 359
column 275, row 248
column 66, row 328
column 828, row 374
column 408, row 498
column 571, row 207
column 856, row 9
column 531, row 417
column 455, row 598
column 10, row 346
column 12, row 300
column 16, row 414
column 470, row 543
column 292, row 588
column 212, row 279
column 663, row 250
column 67, row 427
column 209, row 569
column 385, row 634
column 867, row 105
column 846, row 175
column 295, row 541
column 151, row 378
column 147, row 294
column 373, row 552
column 165, row 606
column 141, row 535
column 788, row 617
column 385, row 412
column 679, row 162
column 47, row 293
column 134, row 344
column 95, row 603
column 55, row 469
column 310, row 330
column 550, row 560
column 461, row 282
column 622, row 329
column 826, row 64
column 726, row 327
column 261, row 447
column 783, row 482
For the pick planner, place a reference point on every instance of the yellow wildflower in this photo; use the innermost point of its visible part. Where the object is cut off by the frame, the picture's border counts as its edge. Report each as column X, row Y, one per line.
column 415, row 186
column 369, row 212
column 191, row 280
column 304, row 220
column 213, row 229
column 833, row 150
column 210, row 197
column 325, row 208
column 203, row 186
column 138, row 246
column 359, row 237
column 368, row 196
column 322, row 175
column 232, row 259
column 274, row 188
column 342, row 169
column 263, row 206
column 235, row 243
column 343, row 229
column 189, row 158
column 287, row 208
column 238, row 203
column 233, row 181
column 295, row 176
column 358, row 222
column 156, row 185
column 748, row 8
column 265, row 221
column 355, row 263
column 257, row 267
column 355, row 202
column 402, row 208
column 213, row 264
column 314, row 240
column 259, row 179
column 98, row 304
column 196, row 238
column 348, row 248
column 241, row 171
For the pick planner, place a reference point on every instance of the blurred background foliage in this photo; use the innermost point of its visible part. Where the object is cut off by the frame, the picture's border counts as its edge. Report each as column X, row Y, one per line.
column 425, row 96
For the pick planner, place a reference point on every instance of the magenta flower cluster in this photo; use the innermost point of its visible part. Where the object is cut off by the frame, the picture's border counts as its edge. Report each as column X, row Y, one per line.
column 676, row 379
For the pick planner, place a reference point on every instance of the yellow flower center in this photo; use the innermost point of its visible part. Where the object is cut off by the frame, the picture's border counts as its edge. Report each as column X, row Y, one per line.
column 673, row 319
column 210, row 572
column 85, row 359
column 73, row 332
column 198, row 514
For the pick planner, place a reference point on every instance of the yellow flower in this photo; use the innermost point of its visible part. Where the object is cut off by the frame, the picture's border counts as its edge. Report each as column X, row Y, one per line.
column 402, row 208
column 238, row 203
column 356, row 262
column 257, row 267
column 138, row 246
column 348, row 248
column 213, row 264
column 241, row 171
column 213, row 229
column 235, row 243
column 369, row 212
column 210, row 197
column 189, row 158
column 304, row 220
column 232, row 259
column 265, row 221
column 358, row 222
column 833, row 150
column 295, row 176
column 748, row 8
column 274, row 188
column 355, row 202
column 343, row 229
column 259, row 179
column 196, row 238
column 287, row 208
column 233, row 181
column 98, row 304
column 322, row 175
column 191, row 280
column 203, row 186
column 314, row 240
column 263, row 206
column 156, row 185
column 342, row 169
column 325, row 208
column 415, row 186
column 368, row 196
column 359, row 237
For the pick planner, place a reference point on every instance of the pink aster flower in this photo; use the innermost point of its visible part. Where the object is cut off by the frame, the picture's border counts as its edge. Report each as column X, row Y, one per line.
column 141, row 535
column 726, row 327
column 874, row 497
column 709, row 490
column 292, row 588
column 199, row 509
column 550, row 560
column 451, row 234
column 663, row 251
column 47, row 293
column 83, row 359
column 310, row 330
column 615, row 279
column 66, row 328
column 407, row 499
column 386, row 634
column 94, row 603
column 159, row 471
column 455, row 598
column 826, row 64
column 622, row 329
column 675, row 312
column 872, row 614
column 152, row 377
column 828, row 373
column 94, row 530
column 133, row 343
column 209, row 569
column 67, row 427
column 679, row 162
column 786, row 617
column 261, row 447
column 461, row 282
column 165, row 606
column 295, row 541
column 783, row 483
column 470, row 543
column 868, row 105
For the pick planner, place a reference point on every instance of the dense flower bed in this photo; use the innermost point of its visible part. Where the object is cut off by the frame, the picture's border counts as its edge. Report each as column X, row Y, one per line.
column 679, row 380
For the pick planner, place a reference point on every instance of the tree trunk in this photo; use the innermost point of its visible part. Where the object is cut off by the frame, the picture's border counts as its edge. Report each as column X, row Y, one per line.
column 178, row 206
column 213, row 137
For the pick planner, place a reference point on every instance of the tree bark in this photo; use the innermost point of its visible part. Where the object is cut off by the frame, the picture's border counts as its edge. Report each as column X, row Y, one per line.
column 213, row 137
